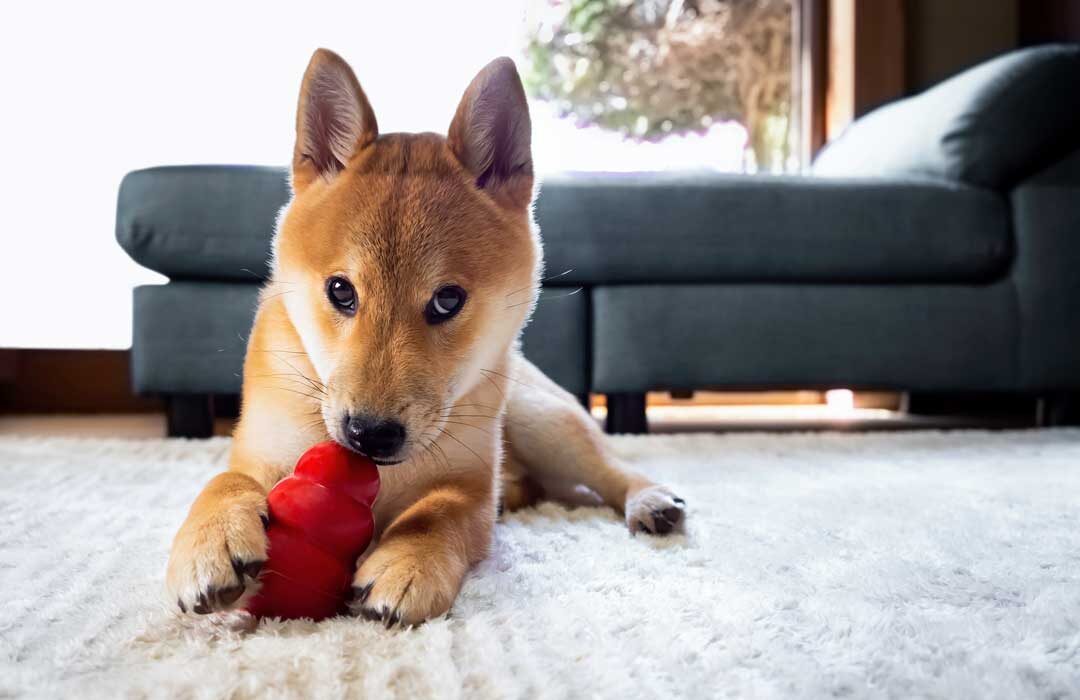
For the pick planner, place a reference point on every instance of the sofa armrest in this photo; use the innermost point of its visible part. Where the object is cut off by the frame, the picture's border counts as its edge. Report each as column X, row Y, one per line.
column 1046, row 210
column 989, row 126
column 202, row 221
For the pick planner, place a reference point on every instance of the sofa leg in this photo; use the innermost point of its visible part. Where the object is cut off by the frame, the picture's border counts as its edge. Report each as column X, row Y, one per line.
column 626, row 414
column 944, row 404
column 1057, row 410
column 190, row 415
column 1000, row 408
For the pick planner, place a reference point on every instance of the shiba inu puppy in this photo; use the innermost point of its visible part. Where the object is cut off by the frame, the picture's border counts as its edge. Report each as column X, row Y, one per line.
column 403, row 271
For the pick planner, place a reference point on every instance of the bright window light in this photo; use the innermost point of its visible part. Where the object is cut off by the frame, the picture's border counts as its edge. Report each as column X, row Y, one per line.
column 98, row 89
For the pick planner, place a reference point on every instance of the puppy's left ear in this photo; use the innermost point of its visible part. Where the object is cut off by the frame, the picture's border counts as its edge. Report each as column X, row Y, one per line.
column 491, row 134
column 334, row 120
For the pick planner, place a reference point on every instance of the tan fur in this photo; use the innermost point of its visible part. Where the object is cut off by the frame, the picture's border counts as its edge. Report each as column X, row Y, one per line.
column 400, row 215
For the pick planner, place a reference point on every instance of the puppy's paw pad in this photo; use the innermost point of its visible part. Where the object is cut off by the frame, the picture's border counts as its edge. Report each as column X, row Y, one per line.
column 655, row 510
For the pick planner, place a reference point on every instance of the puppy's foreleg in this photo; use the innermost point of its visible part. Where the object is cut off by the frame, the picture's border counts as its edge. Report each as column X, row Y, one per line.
column 558, row 441
column 416, row 570
column 219, row 550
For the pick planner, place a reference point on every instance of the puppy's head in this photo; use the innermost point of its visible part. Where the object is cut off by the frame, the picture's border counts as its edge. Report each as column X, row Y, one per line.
column 410, row 260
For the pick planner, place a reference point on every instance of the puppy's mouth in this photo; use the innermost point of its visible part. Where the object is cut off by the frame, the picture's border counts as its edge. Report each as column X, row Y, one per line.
column 378, row 461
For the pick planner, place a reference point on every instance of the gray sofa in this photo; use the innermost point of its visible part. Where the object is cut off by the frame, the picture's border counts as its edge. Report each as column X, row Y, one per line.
column 934, row 248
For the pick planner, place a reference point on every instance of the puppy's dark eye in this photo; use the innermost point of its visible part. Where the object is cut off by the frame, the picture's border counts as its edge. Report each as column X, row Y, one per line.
column 342, row 295
column 445, row 303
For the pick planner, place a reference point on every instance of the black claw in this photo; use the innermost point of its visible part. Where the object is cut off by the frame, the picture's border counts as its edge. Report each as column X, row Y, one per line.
column 202, row 606
column 370, row 614
column 227, row 596
column 183, row 608
column 673, row 514
column 642, row 527
column 680, row 501
column 253, row 568
column 662, row 526
column 361, row 593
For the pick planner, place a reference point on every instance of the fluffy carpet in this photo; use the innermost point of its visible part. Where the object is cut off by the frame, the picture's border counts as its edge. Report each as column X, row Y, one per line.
column 893, row 565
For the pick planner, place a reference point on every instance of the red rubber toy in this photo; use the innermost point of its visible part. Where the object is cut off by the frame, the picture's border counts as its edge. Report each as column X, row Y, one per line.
column 320, row 522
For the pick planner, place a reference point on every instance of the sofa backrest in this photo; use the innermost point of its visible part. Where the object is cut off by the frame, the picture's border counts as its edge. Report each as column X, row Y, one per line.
column 988, row 126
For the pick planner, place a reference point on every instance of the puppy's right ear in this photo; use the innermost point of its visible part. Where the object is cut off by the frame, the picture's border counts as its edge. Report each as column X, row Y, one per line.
column 491, row 134
column 334, row 120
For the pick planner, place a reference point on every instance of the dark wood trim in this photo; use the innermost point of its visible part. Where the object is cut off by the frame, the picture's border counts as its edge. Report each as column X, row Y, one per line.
column 812, row 40
column 866, row 44
column 840, row 80
column 69, row 381
column 879, row 53
column 7, row 367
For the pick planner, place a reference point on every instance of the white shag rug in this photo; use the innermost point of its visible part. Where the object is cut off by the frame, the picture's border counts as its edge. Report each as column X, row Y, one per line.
column 892, row 565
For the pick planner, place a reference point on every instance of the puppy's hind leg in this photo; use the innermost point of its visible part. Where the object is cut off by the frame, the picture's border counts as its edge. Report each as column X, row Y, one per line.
column 517, row 489
column 552, row 436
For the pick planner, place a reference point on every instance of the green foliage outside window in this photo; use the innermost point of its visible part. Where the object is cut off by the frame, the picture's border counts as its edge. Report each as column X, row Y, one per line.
column 652, row 68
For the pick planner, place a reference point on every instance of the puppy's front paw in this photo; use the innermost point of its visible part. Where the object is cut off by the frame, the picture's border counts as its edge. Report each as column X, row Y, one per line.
column 655, row 510
column 217, row 554
column 403, row 583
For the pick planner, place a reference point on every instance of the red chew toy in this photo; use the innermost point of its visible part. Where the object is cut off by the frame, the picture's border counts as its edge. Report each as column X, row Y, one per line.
column 320, row 522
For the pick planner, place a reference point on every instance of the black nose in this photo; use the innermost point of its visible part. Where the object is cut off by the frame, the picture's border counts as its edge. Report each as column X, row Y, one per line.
column 378, row 439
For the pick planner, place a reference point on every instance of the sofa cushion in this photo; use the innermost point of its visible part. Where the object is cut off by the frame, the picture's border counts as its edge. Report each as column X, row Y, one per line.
column 201, row 221
column 190, row 337
column 711, row 228
column 988, row 126
column 905, row 337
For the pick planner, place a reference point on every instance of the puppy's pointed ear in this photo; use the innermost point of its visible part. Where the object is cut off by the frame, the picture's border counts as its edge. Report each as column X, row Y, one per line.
column 491, row 134
column 334, row 120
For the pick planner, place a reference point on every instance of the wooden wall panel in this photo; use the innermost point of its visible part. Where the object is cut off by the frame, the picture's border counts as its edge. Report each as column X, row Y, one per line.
column 1042, row 21
column 866, row 44
column 69, row 381
column 812, row 78
column 945, row 37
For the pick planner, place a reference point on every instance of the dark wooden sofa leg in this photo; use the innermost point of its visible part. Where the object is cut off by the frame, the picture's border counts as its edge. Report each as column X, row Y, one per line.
column 1058, row 410
column 626, row 414
column 991, row 408
column 190, row 415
